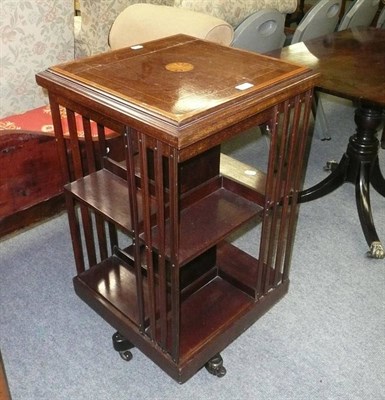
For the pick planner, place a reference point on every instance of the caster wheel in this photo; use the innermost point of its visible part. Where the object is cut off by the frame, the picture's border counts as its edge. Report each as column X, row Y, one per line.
column 221, row 371
column 126, row 355
column 376, row 251
column 122, row 346
column 215, row 366
column 330, row 166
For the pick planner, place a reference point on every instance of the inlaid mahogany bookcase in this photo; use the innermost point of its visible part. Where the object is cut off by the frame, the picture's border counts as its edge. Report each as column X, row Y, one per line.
column 175, row 286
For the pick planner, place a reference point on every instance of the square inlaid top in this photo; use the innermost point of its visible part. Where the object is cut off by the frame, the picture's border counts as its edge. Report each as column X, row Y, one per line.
column 177, row 80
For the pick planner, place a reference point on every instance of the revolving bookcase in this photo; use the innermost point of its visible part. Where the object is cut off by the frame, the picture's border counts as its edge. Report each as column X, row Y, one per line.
column 151, row 220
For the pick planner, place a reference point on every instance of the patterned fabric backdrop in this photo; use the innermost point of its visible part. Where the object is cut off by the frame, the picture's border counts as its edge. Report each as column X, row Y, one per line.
column 97, row 18
column 34, row 35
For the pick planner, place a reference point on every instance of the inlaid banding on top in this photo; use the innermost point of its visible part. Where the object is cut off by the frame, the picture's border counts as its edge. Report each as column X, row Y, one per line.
column 179, row 67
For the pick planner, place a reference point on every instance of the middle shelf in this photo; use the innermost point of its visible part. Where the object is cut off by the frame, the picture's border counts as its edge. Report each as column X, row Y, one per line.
column 202, row 223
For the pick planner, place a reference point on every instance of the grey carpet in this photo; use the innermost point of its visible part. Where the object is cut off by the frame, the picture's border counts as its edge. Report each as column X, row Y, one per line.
column 324, row 340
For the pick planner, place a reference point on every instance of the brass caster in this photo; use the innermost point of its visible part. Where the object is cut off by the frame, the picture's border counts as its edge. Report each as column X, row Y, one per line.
column 215, row 366
column 376, row 251
column 330, row 166
column 126, row 355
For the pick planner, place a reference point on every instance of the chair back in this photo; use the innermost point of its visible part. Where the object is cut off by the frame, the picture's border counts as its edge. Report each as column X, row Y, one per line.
column 261, row 32
column 142, row 22
column 320, row 20
column 361, row 13
column 381, row 20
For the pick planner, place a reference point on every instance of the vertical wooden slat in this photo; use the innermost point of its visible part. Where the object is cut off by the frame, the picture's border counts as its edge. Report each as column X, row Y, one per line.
column 89, row 145
column 113, row 235
column 88, row 234
column 91, row 167
column 147, row 234
column 75, row 232
column 102, row 144
column 133, row 193
column 102, row 151
column 62, row 149
column 266, row 220
column 174, row 253
column 102, row 236
column 160, row 206
column 76, row 156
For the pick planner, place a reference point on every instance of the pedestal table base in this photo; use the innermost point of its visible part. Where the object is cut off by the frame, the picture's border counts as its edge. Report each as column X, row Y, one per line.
column 360, row 166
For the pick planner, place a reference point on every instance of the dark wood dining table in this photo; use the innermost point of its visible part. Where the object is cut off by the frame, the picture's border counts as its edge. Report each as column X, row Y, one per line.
column 352, row 66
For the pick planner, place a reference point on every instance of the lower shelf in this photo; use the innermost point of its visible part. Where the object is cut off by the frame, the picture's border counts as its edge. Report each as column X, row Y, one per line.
column 211, row 318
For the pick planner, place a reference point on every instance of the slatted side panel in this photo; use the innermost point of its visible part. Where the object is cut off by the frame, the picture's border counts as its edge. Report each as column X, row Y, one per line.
column 298, row 174
column 83, row 147
column 159, row 191
column 289, row 129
